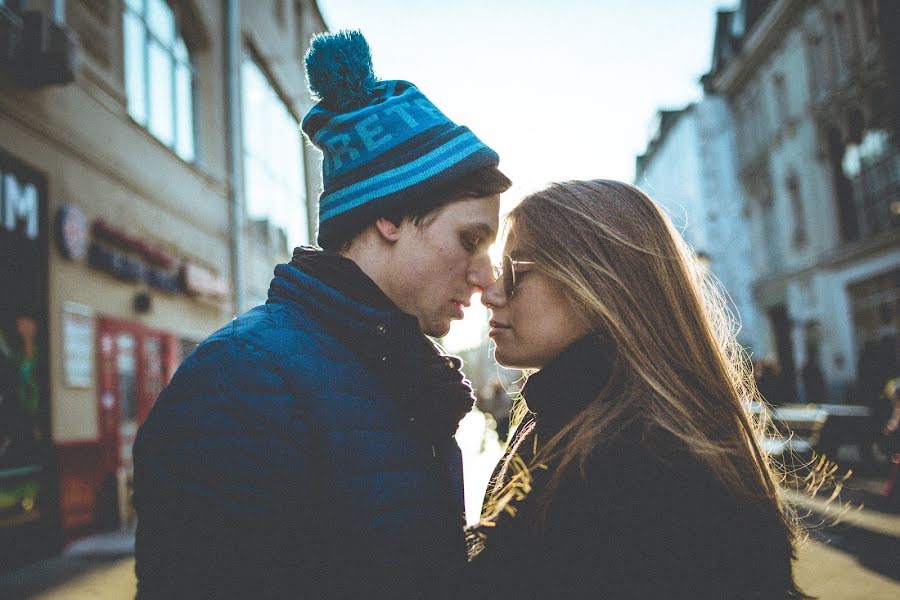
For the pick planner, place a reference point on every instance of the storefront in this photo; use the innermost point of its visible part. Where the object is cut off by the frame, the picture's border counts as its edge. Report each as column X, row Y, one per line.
column 96, row 313
column 118, row 356
column 28, row 515
column 875, row 303
column 117, row 252
column 134, row 362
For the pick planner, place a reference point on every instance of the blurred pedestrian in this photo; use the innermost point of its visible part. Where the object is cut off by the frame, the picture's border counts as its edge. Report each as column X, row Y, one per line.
column 813, row 379
column 306, row 449
column 770, row 381
column 891, row 443
column 877, row 365
column 637, row 473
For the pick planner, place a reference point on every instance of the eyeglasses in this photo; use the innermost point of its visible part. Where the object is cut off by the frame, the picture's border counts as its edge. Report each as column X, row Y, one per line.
column 507, row 271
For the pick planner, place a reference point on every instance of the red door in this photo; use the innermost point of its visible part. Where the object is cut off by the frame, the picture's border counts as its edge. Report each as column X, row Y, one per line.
column 134, row 366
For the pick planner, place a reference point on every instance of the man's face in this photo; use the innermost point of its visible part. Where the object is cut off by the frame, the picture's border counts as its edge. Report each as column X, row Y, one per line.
column 435, row 270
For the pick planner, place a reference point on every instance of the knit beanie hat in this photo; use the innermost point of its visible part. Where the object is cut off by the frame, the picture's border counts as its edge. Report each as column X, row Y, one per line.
column 385, row 146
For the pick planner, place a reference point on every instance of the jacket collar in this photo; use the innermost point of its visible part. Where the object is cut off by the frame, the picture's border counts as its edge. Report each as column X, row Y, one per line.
column 334, row 291
column 376, row 330
column 342, row 274
column 570, row 381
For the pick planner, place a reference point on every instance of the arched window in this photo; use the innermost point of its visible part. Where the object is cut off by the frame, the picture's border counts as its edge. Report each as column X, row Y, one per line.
column 159, row 76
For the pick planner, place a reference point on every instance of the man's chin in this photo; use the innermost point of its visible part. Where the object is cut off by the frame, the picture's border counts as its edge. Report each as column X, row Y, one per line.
column 437, row 330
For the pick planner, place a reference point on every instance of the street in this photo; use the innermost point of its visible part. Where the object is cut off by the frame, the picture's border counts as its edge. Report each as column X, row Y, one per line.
column 849, row 553
column 822, row 571
column 830, row 574
column 836, row 562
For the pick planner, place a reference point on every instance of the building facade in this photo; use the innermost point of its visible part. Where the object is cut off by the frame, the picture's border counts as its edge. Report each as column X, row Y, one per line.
column 813, row 87
column 690, row 170
column 129, row 208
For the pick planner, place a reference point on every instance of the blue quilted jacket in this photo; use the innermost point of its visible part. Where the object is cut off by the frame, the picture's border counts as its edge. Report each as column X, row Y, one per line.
column 280, row 462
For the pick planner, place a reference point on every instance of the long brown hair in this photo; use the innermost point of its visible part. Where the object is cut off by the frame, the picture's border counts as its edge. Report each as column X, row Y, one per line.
column 678, row 367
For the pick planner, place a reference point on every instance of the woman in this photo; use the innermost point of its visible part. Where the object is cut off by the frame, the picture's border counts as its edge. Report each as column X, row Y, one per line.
column 639, row 474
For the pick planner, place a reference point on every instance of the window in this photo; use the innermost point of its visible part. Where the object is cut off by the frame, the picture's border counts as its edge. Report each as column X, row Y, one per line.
column 870, row 18
column 764, row 118
column 872, row 170
column 274, row 175
column 759, row 187
column 772, row 238
column 799, row 237
column 12, row 5
column 842, row 40
column 816, row 65
column 781, row 97
column 159, row 77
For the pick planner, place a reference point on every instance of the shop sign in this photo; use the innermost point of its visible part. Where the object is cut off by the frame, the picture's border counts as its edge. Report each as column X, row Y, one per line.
column 148, row 252
column 132, row 259
column 78, row 345
column 201, row 281
column 23, row 235
column 162, row 280
column 71, row 231
column 19, row 206
column 130, row 268
column 117, row 264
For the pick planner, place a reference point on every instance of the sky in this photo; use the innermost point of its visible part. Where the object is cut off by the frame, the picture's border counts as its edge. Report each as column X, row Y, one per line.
column 562, row 89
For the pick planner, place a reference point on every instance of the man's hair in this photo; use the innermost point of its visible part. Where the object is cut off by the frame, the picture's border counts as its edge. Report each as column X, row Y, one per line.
column 487, row 181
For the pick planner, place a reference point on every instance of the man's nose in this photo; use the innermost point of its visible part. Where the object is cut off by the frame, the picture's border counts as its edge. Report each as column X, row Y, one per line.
column 481, row 273
column 493, row 295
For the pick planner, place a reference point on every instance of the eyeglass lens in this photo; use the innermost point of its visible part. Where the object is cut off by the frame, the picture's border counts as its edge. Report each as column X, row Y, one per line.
column 509, row 276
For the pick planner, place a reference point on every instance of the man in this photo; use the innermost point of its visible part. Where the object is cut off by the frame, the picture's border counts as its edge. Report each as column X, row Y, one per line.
column 306, row 449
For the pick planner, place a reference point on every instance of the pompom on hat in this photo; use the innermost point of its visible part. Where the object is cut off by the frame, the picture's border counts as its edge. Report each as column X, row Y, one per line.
column 385, row 146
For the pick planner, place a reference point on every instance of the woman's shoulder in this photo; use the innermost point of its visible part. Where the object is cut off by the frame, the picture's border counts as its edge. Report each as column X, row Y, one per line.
column 656, row 517
column 640, row 451
column 646, row 469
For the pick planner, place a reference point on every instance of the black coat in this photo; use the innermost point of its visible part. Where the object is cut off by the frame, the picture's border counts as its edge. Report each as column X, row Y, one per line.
column 644, row 520
column 291, row 456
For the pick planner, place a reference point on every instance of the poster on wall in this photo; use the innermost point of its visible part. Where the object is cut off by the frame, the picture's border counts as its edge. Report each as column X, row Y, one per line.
column 78, row 345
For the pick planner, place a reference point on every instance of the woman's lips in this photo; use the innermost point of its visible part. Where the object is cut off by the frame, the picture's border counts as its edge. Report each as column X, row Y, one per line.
column 497, row 328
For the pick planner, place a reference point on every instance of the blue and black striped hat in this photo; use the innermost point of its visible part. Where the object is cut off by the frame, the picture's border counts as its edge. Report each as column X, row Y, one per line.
column 385, row 146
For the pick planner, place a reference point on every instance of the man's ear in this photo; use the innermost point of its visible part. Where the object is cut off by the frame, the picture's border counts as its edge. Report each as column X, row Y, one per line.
column 388, row 230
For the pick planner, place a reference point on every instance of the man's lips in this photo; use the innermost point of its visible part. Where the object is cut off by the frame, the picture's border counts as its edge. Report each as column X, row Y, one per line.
column 460, row 305
column 459, row 308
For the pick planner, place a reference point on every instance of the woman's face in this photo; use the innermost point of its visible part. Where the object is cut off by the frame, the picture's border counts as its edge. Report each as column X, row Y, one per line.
column 538, row 322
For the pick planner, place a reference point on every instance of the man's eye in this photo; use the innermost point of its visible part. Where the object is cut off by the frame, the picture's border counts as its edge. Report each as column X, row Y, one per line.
column 470, row 243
